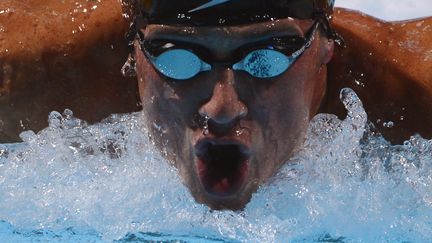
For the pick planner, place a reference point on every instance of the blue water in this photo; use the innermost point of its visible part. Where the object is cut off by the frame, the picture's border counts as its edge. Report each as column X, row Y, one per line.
column 73, row 182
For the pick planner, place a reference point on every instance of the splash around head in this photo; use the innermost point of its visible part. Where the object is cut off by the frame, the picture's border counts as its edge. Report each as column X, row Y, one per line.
column 229, row 87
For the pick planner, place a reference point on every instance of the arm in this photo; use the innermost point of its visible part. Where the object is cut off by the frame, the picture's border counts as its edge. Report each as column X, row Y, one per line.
column 388, row 64
column 61, row 54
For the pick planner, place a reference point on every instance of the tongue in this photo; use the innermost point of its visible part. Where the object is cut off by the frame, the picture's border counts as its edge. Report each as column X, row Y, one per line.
column 221, row 186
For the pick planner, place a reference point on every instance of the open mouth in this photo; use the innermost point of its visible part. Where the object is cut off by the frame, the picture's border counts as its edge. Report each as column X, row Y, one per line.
column 222, row 167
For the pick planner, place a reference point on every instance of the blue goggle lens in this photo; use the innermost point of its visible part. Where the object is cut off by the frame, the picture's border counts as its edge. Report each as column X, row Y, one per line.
column 264, row 63
column 179, row 64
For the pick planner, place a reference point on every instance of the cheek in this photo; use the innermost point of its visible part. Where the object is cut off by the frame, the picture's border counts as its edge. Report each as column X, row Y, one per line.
column 319, row 91
column 286, row 107
column 147, row 77
column 294, row 95
column 161, row 116
column 153, row 89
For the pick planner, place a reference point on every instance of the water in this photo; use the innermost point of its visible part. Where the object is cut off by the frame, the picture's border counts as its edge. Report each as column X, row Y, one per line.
column 73, row 182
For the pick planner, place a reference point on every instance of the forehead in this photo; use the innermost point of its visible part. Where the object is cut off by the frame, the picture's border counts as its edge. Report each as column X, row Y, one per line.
column 251, row 32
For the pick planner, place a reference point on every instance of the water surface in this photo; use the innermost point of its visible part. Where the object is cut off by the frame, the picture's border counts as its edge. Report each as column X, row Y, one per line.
column 73, row 182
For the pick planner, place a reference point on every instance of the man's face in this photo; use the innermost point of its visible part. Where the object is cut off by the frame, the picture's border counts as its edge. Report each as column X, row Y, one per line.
column 226, row 131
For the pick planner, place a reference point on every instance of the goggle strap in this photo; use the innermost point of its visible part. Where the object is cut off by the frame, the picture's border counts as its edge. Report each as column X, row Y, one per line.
column 139, row 21
column 324, row 19
column 308, row 43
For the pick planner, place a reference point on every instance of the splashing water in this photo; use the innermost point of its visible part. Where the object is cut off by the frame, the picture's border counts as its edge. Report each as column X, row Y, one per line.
column 80, row 183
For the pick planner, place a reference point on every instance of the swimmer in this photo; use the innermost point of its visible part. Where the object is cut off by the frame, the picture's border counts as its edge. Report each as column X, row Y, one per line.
column 227, row 87
column 233, row 86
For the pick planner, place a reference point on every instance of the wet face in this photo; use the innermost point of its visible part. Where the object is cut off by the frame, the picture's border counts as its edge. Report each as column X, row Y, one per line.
column 226, row 131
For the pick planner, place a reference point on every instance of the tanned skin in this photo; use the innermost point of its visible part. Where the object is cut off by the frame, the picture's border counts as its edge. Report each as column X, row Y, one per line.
column 389, row 65
column 56, row 55
column 252, row 125
column 44, row 66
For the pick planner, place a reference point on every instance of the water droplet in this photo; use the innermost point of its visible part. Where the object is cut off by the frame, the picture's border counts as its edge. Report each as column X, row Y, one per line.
column 129, row 68
column 388, row 124
column 239, row 131
column 205, row 125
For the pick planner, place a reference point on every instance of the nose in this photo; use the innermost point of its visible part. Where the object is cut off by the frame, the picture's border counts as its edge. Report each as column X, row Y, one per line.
column 224, row 109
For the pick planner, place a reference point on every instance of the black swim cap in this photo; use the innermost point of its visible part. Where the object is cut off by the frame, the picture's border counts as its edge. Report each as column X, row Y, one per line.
column 227, row 12
column 224, row 12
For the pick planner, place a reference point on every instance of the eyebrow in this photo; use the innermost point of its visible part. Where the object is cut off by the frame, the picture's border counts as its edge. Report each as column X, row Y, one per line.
column 200, row 46
column 244, row 34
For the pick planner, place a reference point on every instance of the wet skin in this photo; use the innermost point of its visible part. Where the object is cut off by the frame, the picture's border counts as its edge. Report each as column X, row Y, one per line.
column 226, row 131
column 46, row 65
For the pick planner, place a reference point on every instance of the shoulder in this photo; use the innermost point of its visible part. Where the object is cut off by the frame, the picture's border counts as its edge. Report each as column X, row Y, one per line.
column 388, row 64
column 58, row 55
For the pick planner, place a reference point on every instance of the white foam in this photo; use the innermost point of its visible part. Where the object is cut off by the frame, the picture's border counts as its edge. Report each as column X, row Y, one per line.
column 107, row 180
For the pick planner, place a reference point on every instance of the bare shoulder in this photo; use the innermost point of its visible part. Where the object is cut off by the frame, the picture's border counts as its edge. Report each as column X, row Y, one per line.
column 388, row 64
column 61, row 54
column 34, row 26
column 400, row 41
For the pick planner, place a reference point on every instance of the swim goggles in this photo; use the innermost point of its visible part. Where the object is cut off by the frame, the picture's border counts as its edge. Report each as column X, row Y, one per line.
column 266, row 59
